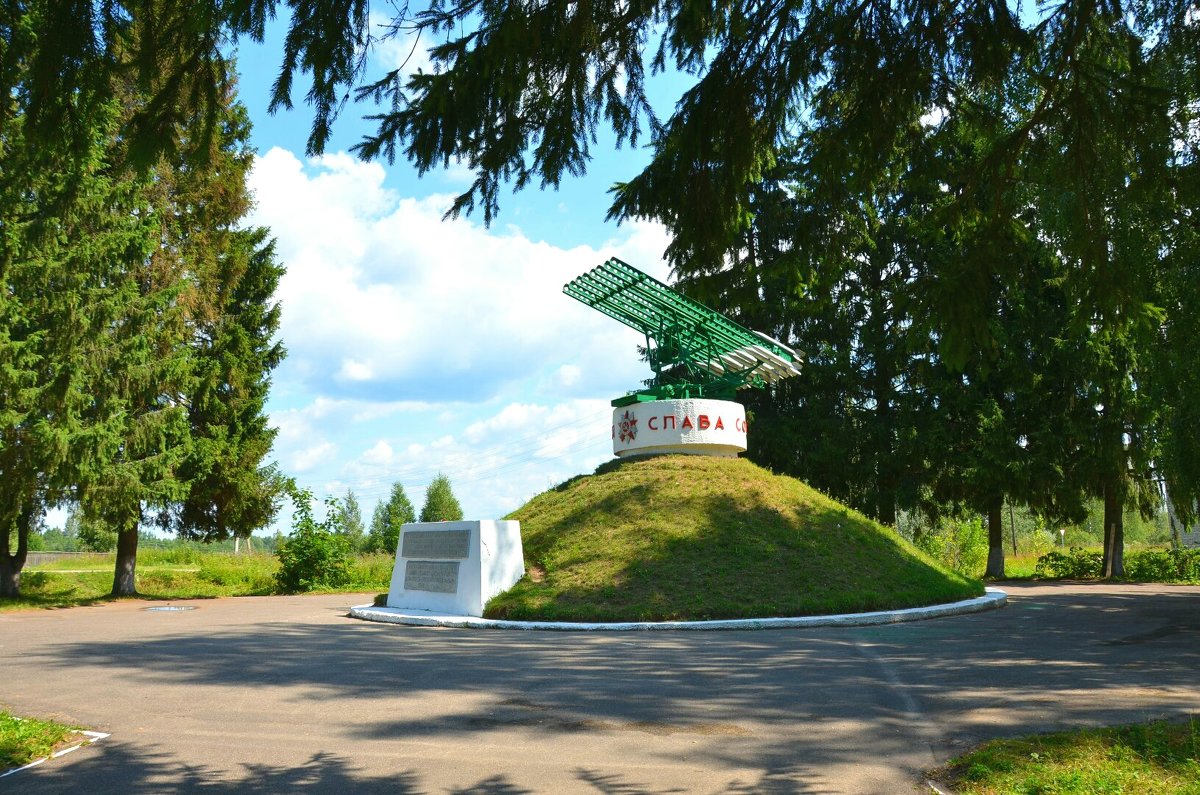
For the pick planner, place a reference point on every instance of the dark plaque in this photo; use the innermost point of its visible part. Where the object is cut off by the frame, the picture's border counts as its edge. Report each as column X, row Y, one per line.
column 428, row 575
column 449, row 544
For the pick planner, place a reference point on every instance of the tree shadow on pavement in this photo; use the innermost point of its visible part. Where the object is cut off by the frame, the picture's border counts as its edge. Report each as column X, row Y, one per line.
column 786, row 705
column 120, row 770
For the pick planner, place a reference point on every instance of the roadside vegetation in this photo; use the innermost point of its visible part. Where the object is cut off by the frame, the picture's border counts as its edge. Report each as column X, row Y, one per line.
column 682, row 537
column 1160, row 758
column 22, row 740
column 1038, row 549
column 185, row 573
column 327, row 551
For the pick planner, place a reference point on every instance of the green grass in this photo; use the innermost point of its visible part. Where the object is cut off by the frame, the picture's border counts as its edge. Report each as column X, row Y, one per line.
column 176, row 574
column 683, row 537
column 1161, row 758
column 23, row 740
column 1019, row 566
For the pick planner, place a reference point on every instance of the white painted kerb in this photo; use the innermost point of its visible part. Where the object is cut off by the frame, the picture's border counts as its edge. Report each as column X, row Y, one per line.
column 993, row 599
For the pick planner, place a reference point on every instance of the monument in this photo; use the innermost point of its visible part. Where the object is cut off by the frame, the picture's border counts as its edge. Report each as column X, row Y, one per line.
column 455, row 567
column 700, row 360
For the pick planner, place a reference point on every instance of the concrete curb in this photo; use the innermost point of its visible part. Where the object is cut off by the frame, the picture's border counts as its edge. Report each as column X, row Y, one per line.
column 92, row 738
column 993, row 599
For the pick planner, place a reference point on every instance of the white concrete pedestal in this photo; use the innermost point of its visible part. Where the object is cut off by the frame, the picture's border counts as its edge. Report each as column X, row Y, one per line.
column 455, row 567
column 691, row 427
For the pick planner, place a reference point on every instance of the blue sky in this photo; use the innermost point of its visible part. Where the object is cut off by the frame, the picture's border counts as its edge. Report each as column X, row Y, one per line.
column 417, row 345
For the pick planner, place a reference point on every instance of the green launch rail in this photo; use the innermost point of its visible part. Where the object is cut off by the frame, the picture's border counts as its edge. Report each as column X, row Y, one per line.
column 694, row 351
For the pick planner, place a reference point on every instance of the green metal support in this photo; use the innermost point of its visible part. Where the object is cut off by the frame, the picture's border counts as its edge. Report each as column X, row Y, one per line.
column 694, row 351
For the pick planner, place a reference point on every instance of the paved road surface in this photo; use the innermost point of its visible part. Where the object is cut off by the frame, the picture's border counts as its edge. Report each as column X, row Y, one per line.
column 286, row 694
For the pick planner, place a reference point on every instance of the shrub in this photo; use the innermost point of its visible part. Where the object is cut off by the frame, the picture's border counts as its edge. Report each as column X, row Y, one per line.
column 960, row 545
column 1077, row 564
column 314, row 555
column 1163, row 565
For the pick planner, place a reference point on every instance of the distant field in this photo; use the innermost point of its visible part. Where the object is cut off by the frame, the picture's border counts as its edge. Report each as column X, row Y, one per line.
column 175, row 574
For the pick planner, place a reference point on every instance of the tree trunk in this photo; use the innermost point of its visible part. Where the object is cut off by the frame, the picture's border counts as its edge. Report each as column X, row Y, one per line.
column 1012, row 526
column 995, row 563
column 1114, row 535
column 887, row 511
column 10, row 564
column 124, row 580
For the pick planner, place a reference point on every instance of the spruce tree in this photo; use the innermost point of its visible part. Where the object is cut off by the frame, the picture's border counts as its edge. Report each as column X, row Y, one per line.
column 440, row 503
column 387, row 520
column 72, row 223
column 234, row 321
column 350, row 521
column 184, row 427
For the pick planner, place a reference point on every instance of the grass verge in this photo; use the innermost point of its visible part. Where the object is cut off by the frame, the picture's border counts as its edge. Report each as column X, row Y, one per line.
column 689, row 537
column 161, row 575
column 1160, row 758
column 23, row 740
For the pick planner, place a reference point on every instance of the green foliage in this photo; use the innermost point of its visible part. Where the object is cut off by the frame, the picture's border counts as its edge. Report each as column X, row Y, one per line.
column 387, row 520
column 1074, row 565
column 1146, row 565
column 1160, row 758
column 959, row 545
column 136, row 317
column 23, row 740
column 251, row 575
column 370, row 570
column 349, row 521
column 440, row 503
column 1163, row 565
column 314, row 556
column 95, row 535
column 185, row 572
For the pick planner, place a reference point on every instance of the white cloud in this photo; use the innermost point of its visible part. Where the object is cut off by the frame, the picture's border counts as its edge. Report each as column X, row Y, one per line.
column 383, row 300
column 309, row 457
column 494, row 463
column 381, row 453
column 418, row 346
column 354, row 370
column 568, row 375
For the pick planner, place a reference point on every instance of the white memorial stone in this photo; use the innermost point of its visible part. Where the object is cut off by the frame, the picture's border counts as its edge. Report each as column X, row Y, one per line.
column 455, row 567
column 693, row 427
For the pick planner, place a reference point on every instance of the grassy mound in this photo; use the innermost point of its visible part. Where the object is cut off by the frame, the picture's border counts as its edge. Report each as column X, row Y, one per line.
column 687, row 537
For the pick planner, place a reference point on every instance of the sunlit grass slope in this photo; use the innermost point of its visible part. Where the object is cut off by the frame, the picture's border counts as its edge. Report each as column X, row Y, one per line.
column 688, row 537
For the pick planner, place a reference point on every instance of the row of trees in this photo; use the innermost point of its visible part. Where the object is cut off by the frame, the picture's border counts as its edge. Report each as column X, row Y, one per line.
column 978, row 225
column 384, row 533
column 1005, row 307
column 977, row 219
column 136, row 316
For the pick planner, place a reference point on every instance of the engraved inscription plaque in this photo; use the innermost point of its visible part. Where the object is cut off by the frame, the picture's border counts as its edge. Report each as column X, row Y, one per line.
column 452, row 544
column 427, row 575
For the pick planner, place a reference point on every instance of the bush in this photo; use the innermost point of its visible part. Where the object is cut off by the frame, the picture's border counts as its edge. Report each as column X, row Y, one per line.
column 960, row 545
column 1163, row 565
column 1078, row 564
column 314, row 555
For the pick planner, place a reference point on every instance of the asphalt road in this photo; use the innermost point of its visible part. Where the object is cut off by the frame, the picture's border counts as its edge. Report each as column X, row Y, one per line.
column 287, row 694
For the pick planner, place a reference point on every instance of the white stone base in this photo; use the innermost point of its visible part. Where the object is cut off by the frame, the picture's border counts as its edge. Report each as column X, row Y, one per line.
column 691, row 427
column 993, row 599
column 455, row 567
